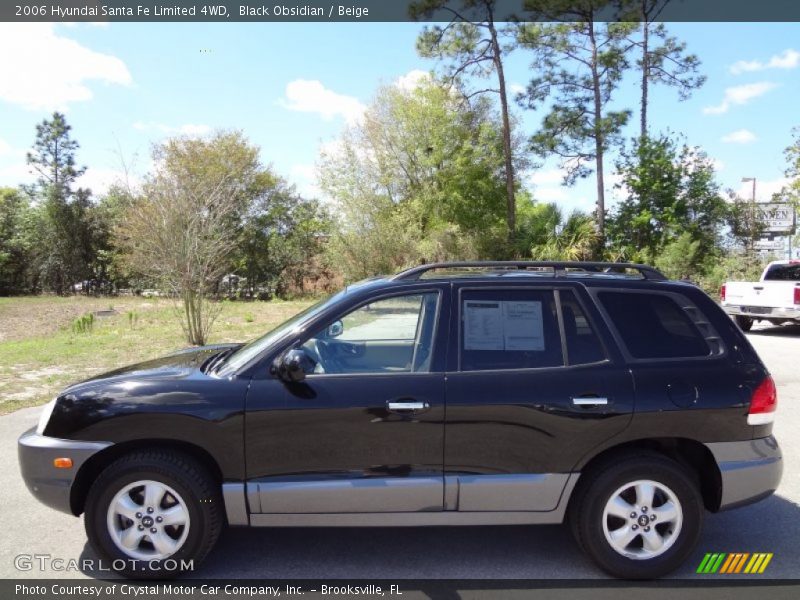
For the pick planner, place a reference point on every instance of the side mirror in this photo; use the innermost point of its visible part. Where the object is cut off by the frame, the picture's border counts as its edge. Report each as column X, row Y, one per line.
column 335, row 329
column 290, row 366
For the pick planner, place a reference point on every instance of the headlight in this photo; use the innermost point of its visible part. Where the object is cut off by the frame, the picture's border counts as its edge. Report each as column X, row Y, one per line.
column 45, row 416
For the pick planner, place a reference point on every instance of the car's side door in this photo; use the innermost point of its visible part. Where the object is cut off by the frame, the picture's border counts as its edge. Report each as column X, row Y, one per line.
column 531, row 389
column 364, row 430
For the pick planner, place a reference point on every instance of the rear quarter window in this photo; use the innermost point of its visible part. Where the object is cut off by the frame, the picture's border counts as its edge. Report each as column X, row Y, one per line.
column 653, row 325
column 783, row 273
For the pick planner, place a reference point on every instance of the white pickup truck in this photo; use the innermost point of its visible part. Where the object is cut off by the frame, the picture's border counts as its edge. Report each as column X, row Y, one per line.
column 775, row 298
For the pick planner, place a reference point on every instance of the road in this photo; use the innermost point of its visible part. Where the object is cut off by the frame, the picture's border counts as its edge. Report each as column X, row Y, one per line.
column 543, row 552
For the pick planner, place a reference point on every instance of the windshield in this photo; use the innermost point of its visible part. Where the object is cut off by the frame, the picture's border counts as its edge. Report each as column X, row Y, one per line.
column 252, row 349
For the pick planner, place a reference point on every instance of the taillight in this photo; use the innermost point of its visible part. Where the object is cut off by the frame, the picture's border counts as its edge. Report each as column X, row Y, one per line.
column 763, row 403
column 722, row 292
column 797, row 295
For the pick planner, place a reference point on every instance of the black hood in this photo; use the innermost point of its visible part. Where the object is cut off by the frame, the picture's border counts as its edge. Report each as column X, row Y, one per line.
column 174, row 366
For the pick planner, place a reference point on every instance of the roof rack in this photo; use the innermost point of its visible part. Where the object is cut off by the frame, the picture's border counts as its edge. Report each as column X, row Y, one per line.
column 560, row 268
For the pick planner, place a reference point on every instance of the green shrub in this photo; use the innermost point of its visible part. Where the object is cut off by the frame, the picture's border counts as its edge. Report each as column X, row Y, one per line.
column 84, row 324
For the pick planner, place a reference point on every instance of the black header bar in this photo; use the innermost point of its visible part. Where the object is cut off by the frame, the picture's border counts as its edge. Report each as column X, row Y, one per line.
column 375, row 11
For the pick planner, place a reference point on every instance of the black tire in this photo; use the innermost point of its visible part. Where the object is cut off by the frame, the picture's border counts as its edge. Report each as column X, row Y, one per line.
column 189, row 479
column 744, row 323
column 597, row 487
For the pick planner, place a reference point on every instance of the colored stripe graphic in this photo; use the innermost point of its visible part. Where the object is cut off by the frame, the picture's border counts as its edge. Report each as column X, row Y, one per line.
column 711, row 562
column 735, row 562
column 741, row 562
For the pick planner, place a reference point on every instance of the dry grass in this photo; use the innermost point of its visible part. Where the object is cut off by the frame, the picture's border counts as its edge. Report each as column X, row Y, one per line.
column 40, row 354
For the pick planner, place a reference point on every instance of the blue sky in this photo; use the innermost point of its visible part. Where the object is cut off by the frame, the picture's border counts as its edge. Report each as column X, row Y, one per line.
column 293, row 87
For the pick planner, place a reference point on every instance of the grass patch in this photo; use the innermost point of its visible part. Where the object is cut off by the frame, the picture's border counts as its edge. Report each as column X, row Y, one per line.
column 40, row 353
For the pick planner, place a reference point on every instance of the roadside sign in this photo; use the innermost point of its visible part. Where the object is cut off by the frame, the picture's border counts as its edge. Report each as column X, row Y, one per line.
column 776, row 217
column 769, row 244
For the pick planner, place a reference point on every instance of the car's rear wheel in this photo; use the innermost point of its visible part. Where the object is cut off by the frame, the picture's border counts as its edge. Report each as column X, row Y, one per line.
column 153, row 514
column 638, row 517
column 744, row 323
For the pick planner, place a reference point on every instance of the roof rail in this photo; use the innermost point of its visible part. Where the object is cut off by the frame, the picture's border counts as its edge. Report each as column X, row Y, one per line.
column 559, row 268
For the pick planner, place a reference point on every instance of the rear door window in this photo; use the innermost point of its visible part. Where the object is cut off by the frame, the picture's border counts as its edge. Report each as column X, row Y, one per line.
column 653, row 325
column 509, row 329
column 583, row 345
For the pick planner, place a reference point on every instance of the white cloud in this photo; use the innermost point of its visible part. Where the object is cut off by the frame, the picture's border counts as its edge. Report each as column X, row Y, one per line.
column 191, row 129
column 99, row 180
column 550, row 194
column 6, row 149
column 412, row 79
column 740, row 94
column 717, row 164
column 546, row 177
column 548, row 185
column 516, row 88
column 15, row 174
column 305, row 95
column 305, row 178
column 788, row 59
column 740, row 136
column 43, row 71
column 764, row 189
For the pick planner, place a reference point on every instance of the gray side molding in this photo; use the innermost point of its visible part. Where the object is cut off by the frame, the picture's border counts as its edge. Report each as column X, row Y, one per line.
column 233, row 495
column 422, row 518
column 513, row 492
column 751, row 470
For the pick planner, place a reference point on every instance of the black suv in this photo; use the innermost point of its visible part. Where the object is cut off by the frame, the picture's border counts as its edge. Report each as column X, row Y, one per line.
column 599, row 394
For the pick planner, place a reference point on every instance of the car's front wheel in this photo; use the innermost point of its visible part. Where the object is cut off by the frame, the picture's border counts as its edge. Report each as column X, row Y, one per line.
column 638, row 517
column 153, row 514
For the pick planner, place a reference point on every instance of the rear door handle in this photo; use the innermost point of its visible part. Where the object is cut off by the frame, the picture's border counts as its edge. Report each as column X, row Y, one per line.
column 589, row 401
column 407, row 406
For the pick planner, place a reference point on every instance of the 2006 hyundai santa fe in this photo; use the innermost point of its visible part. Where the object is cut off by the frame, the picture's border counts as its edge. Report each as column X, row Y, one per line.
column 599, row 394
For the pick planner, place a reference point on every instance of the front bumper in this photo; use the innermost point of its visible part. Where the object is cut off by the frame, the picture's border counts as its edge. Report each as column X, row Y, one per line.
column 50, row 485
column 751, row 470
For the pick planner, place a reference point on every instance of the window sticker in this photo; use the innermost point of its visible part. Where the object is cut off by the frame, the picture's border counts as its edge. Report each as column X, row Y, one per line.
column 483, row 325
column 522, row 326
column 506, row 325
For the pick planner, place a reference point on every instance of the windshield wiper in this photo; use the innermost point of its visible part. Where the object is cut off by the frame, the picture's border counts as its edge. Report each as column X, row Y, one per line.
column 215, row 360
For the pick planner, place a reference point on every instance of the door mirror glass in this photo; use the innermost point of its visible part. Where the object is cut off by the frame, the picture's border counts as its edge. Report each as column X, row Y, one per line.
column 335, row 329
column 291, row 366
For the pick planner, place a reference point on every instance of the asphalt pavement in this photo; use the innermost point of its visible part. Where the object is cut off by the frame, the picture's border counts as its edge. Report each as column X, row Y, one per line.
column 515, row 552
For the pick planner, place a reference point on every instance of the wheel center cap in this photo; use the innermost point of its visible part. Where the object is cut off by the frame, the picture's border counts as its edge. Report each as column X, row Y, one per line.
column 643, row 520
column 147, row 521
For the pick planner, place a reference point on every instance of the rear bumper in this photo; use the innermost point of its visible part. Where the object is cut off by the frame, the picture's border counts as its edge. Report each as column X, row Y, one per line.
column 751, row 470
column 774, row 312
column 49, row 485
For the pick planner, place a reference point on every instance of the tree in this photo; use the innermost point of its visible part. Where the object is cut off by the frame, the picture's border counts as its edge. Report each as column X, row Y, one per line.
column 63, row 255
column 472, row 42
column 667, row 63
column 671, row 190
column 582, row 62
column 15, row 242
column 281, row 240
column 792, row 154
column 573, row 239
column 53, row 156
column 419, row 179
column 182, row 230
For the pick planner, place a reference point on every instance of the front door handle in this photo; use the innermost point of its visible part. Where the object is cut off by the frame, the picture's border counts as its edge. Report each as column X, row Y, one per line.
column 589, row 401
column 407, row 406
